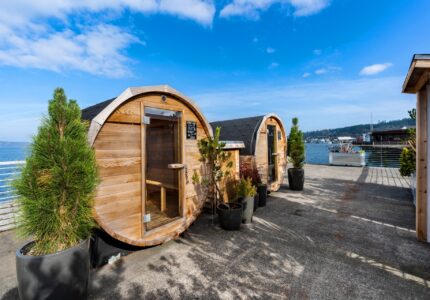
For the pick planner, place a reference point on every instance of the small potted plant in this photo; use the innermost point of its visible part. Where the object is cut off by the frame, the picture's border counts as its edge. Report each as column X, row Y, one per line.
column 218, row 164
column 296, row 145
column 247, row 171
column 55, row 191
column 246, row 192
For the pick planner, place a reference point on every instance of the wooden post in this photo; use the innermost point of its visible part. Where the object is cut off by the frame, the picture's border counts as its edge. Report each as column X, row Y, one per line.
column 163, row 198
column 421, row 165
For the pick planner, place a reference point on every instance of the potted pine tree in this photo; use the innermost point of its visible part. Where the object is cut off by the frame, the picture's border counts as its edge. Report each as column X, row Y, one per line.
column 55, row 192
column 296, row 146
column 218, row 163
column 246, row 192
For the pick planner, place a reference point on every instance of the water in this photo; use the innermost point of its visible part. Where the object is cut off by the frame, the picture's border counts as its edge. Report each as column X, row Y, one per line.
column 375, row 157
column 11, row 151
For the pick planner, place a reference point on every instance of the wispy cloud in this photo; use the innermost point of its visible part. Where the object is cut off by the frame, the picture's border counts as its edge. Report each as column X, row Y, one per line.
column 321, row 71
column 253, row 8
column 317, row 52
column 313, row 101
column 306, row 75
column 270, row 50
column 273, row 65
column 28, row 40
column 375, row 69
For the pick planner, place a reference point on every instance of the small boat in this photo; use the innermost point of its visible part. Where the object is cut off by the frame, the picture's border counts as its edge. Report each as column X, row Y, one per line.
column 343, row 154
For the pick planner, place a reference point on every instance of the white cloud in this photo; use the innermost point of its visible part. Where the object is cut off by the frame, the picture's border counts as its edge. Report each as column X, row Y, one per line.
column 270, row 50
column 97, row 50
column 318, row 104
column 253, row 8
column 375, row 69
column 27, row 39
column 306, row 74
column 273, row 65
column 321, row 71
column 317, row 52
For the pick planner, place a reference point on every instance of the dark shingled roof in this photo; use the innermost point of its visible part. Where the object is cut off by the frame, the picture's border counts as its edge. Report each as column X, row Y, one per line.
column 91, row 111
column 244, row 129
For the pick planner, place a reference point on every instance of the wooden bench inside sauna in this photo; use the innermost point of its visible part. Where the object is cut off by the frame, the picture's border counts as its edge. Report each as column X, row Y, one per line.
column 265, row 142
column 145, row 142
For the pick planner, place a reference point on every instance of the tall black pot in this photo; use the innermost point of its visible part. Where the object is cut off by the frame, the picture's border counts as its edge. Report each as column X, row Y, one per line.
column 262, row 195
column 63, row 275
column 230, row 215
column 256, row 201
column 296, row 179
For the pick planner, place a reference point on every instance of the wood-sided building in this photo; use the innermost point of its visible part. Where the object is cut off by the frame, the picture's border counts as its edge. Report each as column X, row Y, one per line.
column 418, row 82
column 145, row 142
column 265, row 142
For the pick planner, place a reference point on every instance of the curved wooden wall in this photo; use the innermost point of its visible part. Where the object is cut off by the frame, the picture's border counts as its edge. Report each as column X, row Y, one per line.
column 118, row 144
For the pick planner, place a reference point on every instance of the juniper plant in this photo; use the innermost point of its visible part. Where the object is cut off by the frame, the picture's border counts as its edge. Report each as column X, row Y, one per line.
column 296, row 145
column 57, row 183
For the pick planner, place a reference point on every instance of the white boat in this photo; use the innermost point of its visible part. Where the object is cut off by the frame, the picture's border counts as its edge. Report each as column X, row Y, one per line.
column 343, row 154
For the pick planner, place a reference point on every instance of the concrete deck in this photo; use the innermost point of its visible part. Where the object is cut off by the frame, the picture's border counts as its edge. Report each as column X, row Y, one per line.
column 348, row 235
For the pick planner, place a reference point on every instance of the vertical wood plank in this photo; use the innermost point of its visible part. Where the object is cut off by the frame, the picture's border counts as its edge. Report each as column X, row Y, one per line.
column 421, row 165
column 163, row 199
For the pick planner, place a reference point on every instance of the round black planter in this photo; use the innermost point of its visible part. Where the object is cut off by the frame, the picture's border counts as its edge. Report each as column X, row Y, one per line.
column 256, row 200
column 262, row 194
column 296, row 179
column 230, row 215
column 63, row 275
column 248, row 209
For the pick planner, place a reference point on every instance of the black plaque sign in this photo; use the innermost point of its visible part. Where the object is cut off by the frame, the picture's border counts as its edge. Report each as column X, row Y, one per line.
column 191, row 130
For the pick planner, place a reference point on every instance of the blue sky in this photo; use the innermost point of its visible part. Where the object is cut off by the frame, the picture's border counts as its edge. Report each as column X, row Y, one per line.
column 329, row 62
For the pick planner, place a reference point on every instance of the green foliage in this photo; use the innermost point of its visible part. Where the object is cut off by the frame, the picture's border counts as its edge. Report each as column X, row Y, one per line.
column 212, row 153
column 296, row 145
column 408, row 156
column 57, row 183
column 407, row 162
column 196, row 177
column 245, row 188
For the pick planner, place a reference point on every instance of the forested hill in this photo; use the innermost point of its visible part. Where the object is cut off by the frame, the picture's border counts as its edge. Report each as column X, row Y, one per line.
column 357, row 130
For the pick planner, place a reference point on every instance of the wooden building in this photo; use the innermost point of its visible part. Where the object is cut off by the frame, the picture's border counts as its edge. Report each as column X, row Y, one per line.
column 418, row 82
column 145, row 142
column 265, row 145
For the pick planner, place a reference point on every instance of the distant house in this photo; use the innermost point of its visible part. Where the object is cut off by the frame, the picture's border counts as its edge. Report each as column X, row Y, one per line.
column 390, row 136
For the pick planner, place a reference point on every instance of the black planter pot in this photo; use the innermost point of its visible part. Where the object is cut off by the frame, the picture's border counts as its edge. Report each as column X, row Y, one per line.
column 248, row 209
column 296, row 179
column 230, row 215
column 262, row 194
column 63, row 275
column 256, row 200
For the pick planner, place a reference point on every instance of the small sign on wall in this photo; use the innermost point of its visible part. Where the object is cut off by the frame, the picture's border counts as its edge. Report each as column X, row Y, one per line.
column 191, row 130
column 279, row 135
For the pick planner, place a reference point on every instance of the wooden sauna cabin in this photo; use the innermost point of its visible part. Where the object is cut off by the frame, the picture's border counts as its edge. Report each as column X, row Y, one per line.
column 265, row 145
column 145, row 142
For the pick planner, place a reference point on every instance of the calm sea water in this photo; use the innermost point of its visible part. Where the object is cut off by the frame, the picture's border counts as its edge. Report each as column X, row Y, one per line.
column 375, row 157
column 10, row 151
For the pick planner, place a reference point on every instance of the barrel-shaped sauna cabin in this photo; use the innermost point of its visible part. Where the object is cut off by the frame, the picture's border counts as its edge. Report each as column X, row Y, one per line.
column 145, row 142
column 265, row 145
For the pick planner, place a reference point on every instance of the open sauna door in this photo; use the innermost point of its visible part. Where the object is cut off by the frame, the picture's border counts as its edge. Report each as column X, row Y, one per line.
column 271, row 153
column 163, row 165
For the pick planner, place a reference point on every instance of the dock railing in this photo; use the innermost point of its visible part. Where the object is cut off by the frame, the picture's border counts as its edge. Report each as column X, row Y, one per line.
column 9, row 208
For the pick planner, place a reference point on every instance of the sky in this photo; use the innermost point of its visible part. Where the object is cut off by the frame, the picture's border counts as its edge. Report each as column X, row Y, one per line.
column 331, row 63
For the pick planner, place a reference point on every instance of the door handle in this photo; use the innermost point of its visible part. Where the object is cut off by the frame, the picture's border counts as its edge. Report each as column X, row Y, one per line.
column 176, row 166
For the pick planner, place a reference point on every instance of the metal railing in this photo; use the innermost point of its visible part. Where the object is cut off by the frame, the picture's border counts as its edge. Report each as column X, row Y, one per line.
column 8, row 207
